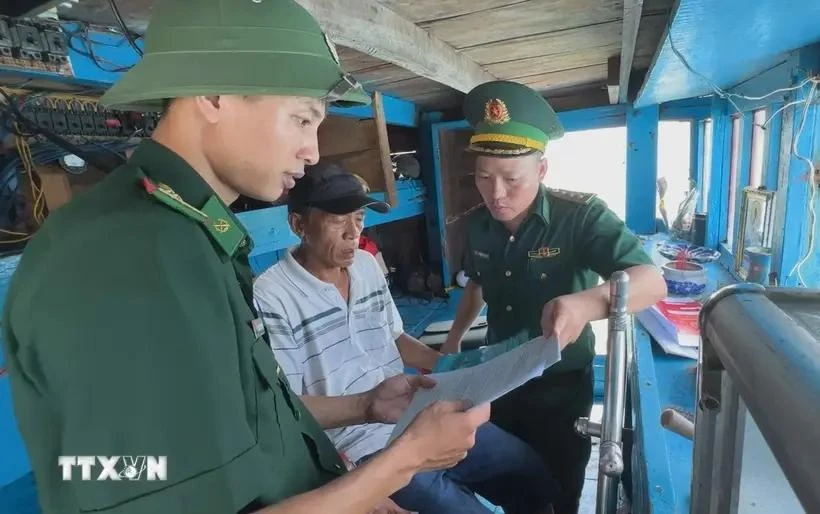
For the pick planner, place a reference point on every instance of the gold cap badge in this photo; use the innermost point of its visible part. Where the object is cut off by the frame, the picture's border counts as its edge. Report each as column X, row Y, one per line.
column 495, row 111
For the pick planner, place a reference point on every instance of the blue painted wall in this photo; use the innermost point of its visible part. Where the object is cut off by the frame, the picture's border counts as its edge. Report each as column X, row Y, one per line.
column 641, row 169
column 728, row 41
column 14, row 463
column 813, row 275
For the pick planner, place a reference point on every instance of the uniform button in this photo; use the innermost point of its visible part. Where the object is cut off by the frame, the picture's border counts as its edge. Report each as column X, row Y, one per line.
column 509, row 308
column 512, row 239
column 508, row 273
column 338, row 467
column 543, row 276
column 478, row 273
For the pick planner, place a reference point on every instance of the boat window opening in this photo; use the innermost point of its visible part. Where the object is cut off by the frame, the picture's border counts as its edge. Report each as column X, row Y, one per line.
column 758, row 147
column 734, row 166
column 592, row 161
column 674, row 164
column 707, row 166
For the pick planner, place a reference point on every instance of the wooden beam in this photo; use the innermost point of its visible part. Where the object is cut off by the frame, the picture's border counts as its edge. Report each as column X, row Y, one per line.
column 613, row 79
column 369, row 27
column 384, row 150
column 629, row 38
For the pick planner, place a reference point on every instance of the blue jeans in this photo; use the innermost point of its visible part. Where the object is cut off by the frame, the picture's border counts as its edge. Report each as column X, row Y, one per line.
column 500, row 467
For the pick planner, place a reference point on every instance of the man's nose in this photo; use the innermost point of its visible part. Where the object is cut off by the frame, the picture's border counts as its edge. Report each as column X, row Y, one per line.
column 497, row 191
column 310, row 150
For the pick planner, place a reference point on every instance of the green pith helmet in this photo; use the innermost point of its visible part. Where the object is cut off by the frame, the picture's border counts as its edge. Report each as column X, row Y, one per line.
column 509, row 119
column 243, row 47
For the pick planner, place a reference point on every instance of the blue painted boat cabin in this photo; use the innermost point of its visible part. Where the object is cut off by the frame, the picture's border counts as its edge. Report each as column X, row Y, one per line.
column 698, row 122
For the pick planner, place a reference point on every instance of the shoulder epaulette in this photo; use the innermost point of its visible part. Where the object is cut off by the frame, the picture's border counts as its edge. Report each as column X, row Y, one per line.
column 572, row 196
column 213, row 216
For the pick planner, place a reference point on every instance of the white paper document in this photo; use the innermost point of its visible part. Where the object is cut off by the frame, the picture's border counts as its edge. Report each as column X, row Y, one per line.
column 487, row 381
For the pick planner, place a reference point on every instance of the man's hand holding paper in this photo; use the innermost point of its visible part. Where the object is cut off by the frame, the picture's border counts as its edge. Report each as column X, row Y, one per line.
column 484, row 382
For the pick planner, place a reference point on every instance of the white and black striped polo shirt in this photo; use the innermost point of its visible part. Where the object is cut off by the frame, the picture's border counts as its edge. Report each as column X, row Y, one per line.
column 328, row 347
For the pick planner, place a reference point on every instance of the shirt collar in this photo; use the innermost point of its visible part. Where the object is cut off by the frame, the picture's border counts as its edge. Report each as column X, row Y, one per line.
column 307, row 281
column 541, row 206
column 163, row 165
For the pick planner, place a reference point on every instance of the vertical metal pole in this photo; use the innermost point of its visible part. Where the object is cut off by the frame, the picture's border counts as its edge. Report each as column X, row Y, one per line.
column 611, row 463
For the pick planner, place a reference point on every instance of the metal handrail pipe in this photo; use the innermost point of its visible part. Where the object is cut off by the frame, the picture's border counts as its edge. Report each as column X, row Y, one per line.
column 774, row 362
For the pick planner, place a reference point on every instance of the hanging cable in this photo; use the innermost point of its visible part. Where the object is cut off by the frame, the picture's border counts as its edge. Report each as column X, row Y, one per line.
column 124, row 27
column 812, row 224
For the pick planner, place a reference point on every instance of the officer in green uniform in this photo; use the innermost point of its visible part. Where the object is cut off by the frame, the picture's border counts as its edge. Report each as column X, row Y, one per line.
column 534, row 255
column 142, row 378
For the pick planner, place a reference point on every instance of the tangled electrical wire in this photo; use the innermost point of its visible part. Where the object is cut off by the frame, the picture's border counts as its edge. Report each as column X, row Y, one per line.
column 19, row 170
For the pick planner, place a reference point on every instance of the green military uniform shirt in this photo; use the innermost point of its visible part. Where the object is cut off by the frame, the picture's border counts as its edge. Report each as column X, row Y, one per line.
column 562, row 247
column 130, row 332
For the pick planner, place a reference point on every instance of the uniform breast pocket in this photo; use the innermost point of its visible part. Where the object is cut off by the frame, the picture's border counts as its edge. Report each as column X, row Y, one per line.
column 547, row 273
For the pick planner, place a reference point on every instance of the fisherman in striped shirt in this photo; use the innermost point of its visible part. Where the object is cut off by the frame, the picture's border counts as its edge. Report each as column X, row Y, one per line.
column 337, row 334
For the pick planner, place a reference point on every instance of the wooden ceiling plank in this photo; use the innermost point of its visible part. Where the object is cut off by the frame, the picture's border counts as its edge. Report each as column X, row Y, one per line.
column 380, row 76
column 552, row 63
column 566, row 78
column 410, row 88
column 522, row 20
column 369, row 27
column 632, row 20
column 419, row 11
column 353, row 61
column 562, row 41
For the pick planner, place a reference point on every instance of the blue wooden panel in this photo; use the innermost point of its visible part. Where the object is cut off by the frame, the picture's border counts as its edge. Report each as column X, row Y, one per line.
column 772, row 145
column 115, row 52
column 437, row 194
column 271, row 233
column 688, row 109
column 641, row 169
column 14, row 462
column 728, row 42
column 812, row 273
column 719, row 174
column 796, row 223
column 396, row 111
column 20, row 496
column 593, row 118
column 431, row 177
column 769, row 86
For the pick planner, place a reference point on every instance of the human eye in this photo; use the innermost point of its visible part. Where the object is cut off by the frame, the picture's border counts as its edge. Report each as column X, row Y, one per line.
column 301, row 120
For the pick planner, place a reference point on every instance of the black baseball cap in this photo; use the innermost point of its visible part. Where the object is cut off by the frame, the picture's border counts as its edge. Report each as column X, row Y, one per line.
column 328, row 187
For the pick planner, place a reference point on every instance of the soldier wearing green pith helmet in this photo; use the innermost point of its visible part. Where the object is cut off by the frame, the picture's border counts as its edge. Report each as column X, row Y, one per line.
column 535, row 256
column 130, row 329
